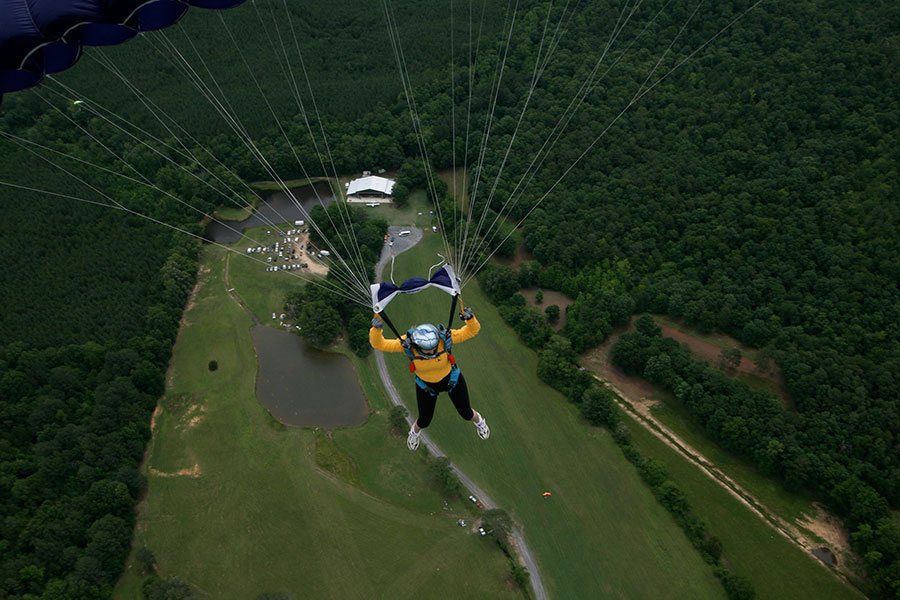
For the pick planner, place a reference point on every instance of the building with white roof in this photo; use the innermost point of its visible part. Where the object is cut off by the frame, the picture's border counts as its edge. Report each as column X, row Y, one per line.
column 371, row 188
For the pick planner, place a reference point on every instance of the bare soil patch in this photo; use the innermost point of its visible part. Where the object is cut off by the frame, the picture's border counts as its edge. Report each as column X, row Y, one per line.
column 550, row 297
column 702, row 348
column 192, row 298
column 156, row 412
column 598, row 360
column 193, row 472
column 315, row 267
column 710, row 348
column 829, row 528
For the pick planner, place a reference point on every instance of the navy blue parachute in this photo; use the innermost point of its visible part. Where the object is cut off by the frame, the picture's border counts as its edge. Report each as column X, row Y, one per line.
column 38, row 37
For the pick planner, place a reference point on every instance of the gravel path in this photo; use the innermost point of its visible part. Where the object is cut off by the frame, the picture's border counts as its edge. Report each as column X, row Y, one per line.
column 402, row 244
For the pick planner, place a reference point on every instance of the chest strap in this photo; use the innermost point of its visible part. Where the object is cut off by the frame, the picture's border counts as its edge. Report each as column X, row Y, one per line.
column 454, row 379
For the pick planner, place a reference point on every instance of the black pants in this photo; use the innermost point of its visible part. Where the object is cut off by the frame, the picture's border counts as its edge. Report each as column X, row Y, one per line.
column 459, row 395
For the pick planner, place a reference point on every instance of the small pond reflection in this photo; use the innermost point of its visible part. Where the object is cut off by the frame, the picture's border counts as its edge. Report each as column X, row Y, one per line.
column 277, row 207
column 825, row 555
column 304, row 387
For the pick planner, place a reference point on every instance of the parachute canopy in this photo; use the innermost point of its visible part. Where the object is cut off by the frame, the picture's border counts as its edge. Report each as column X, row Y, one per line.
column 443, row 279
column 38, row 37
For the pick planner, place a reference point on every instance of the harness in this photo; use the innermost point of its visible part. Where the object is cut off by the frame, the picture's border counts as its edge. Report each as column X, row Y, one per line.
column 446, row 336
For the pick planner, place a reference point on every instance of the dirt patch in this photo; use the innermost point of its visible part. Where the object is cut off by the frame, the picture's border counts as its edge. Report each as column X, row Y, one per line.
column 702, row 348
column 156, row 412
column 599, row 361
column 550, row 297
column 828, row 527
column 710, row 348
column 192, row 298
column 315, row 267
column 193, row 472
column 194, row 415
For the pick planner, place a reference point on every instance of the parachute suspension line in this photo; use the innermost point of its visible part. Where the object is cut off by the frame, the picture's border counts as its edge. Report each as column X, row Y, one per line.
column 586, row 87
column 489, row 119
column 22, row 141
column 452, row 126
column 234, row 198
column 357, row 265
column 390, row 324
column 349, row 278
column 539, row 67
column 59, row 195
column 393, row 34
column 119, row 206
column 394, row 37
column 564, row 120
column 473, row 64
column 143, row 179
column 107, row 63
column 359, row 276
column 343, row 207
column 631, row 103
column 242, row 201
column 347, row 282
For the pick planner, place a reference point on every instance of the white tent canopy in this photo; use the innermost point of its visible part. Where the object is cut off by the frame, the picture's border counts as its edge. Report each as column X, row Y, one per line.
column 372, row 185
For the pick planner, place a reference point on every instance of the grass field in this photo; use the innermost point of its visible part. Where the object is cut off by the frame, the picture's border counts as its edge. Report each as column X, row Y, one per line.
column 253, row 510
column 601, row 534
column 777, row 568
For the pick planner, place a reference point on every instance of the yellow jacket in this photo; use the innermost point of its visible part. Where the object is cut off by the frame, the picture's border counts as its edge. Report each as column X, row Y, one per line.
column 434, row 369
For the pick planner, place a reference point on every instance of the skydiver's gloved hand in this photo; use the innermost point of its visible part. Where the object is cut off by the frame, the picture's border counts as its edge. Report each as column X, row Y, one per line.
column 466, row 314
column 377, row 323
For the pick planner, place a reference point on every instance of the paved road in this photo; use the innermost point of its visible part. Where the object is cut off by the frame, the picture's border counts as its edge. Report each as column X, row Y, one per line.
column 387, row 253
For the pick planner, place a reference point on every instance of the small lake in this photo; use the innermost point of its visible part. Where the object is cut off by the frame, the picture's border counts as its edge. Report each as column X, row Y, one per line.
column 276, row 207
column 304, row 387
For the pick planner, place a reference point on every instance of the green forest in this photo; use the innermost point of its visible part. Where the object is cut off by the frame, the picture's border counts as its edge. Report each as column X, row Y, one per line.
column 753, row 190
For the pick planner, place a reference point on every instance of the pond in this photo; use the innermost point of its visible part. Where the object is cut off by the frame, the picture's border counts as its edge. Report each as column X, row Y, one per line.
column 825, row 555
column 276, row 207
column 304, row 387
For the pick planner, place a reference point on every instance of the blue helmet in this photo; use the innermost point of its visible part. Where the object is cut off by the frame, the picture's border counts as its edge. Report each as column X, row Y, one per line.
column 426, row 338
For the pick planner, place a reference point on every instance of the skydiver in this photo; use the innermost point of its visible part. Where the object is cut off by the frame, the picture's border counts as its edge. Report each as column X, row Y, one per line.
column 435, row 369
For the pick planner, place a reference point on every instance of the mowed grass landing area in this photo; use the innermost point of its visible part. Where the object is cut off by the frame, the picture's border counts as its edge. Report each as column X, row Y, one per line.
column 601, row 534
column 238, row 505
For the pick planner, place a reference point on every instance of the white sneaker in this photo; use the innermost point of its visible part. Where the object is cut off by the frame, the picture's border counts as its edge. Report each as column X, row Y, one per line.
column 484, row 432
column 412, row 440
